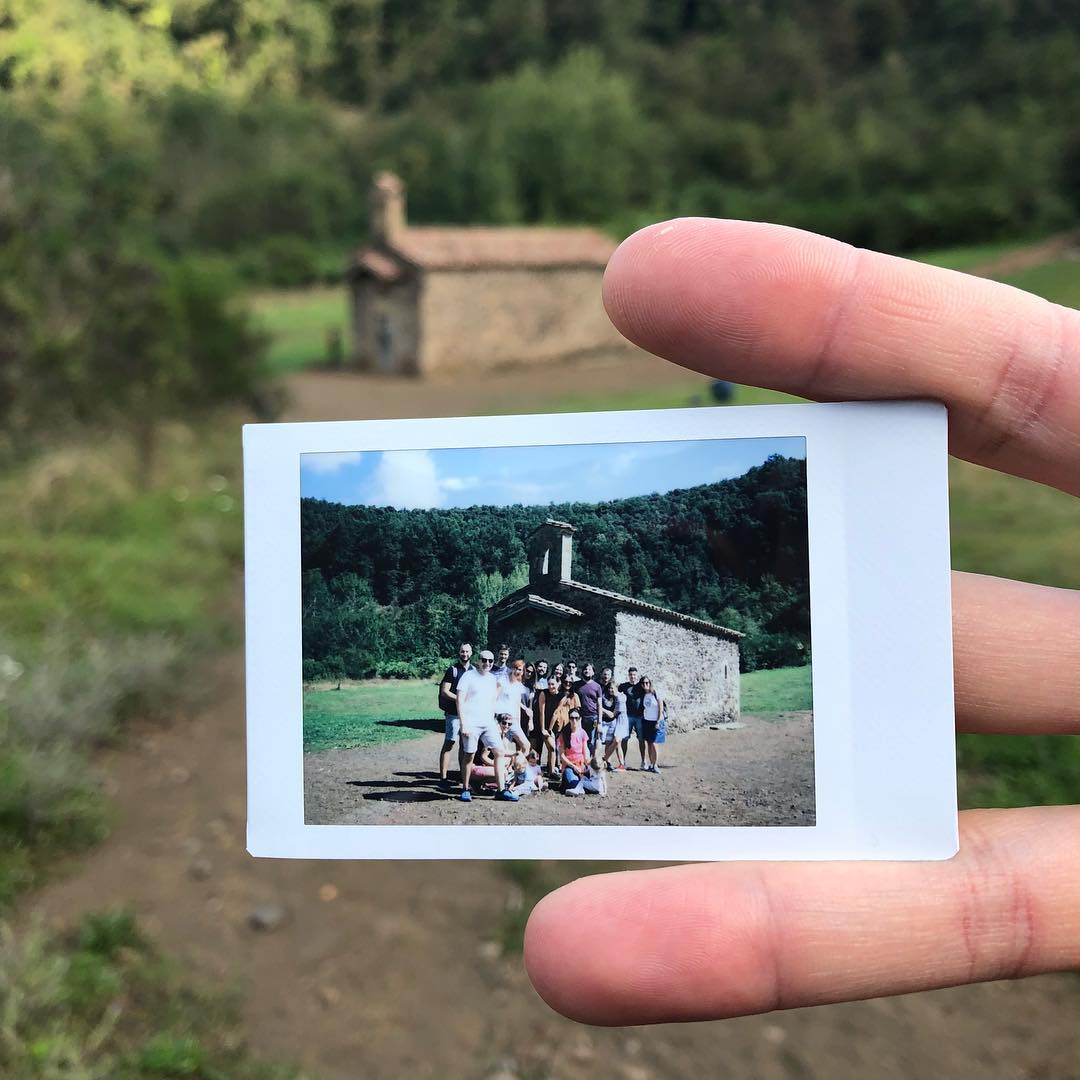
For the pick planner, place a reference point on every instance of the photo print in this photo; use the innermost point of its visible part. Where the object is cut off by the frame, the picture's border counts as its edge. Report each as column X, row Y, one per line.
column 583, row 634
column 706, row 633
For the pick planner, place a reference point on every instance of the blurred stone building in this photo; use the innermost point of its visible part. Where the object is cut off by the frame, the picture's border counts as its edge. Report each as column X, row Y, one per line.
column 441, row 299
column 694, row 664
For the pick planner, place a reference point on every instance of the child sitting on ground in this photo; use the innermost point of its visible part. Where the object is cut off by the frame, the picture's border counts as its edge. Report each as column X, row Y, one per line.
column 527, row 776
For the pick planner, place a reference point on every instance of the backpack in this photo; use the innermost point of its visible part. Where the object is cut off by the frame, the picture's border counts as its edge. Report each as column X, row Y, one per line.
column 447, row 705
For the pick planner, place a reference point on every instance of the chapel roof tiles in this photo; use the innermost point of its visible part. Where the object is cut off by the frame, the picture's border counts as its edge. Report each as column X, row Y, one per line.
column 479, row 247
column 691, row 621
column 522, row 598
column 513, row 603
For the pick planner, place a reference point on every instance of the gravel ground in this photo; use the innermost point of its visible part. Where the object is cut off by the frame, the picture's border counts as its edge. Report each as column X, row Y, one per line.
column 761, row 773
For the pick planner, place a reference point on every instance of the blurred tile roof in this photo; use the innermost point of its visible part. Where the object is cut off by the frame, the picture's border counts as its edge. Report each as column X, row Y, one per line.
column 479, row 247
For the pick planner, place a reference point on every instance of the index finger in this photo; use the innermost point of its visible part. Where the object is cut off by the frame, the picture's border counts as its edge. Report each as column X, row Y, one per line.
column 704, row 942
column 778, row 307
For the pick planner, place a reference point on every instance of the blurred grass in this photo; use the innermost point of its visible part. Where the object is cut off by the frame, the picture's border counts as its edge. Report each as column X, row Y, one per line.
column 100, row 1002
column 110, row 596
column 371, row 712
column 1058, row 281
column 967, row 258
column 678, row 396
column 297, row 321
column 1015, row 528
column 1009, row 527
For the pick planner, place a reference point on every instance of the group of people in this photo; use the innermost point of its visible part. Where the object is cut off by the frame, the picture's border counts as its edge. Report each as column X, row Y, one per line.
column 505, row 716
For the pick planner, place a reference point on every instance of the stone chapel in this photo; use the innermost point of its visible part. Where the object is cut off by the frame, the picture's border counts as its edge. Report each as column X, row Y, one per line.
column 429, row 299
column 694, row 663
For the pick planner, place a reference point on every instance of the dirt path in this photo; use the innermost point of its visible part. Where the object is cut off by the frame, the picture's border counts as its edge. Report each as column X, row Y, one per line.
column 342, row 396
column 761, row 773
column 386, row 969
column 1060, row 246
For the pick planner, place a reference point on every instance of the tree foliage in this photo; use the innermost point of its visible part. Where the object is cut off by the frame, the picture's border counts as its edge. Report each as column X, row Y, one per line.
column 98, row 324
column 893, row 123
column 384, row 586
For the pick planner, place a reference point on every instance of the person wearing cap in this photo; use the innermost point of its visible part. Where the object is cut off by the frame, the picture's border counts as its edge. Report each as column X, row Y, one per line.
column 476, row 696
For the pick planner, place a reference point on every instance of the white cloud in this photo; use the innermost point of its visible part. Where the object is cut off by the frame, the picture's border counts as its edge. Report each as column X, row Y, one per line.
column 325, row 464
column 623, row 462
column 407, row 480
column 529, row 493
column 460, row 483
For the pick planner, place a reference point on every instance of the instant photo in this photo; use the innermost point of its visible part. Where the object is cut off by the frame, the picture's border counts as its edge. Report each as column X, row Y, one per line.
column 653, row 635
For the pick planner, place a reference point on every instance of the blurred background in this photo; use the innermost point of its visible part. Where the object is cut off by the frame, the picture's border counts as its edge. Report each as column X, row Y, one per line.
column 182, row 184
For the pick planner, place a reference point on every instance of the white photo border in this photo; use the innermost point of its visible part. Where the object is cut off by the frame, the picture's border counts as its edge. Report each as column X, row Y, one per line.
column 880, row 616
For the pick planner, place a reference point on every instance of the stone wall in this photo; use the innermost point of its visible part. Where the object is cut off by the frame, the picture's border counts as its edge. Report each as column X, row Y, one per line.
column 536, row 635
column 398, row 304
column 697, row 674
column 492, row 318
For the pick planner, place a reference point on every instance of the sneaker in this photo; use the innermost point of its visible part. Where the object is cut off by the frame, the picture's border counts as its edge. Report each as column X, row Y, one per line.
column 620, row 768
column 609, row 766
column 465, row 796
column 507, row 796
column 644, row 767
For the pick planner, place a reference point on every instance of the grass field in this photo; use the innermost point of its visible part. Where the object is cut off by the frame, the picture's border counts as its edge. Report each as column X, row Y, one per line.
column 967, row 258
column 369, row 713
column 776, row 691
column 297, row 321
column 1058, row 281
column 377, row 711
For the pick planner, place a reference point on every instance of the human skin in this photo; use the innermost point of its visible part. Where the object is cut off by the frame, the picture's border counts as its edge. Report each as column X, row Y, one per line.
column 776, row 307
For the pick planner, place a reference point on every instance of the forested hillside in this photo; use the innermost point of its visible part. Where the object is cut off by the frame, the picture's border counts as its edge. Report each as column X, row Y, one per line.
column 392, row 591
column 250, row 127
column 156, row 153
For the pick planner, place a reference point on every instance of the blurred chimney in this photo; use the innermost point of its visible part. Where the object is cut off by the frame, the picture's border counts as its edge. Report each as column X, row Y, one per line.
column 387, row 209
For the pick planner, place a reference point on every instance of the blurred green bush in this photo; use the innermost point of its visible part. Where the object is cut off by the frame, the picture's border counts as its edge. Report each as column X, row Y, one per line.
column 100, row 1002
column 109, row 597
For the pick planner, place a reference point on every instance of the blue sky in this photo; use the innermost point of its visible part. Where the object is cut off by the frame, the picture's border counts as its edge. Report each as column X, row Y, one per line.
column 530, row 475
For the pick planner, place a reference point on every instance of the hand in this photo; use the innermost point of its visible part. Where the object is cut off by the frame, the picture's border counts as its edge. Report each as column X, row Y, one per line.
column 781, row 308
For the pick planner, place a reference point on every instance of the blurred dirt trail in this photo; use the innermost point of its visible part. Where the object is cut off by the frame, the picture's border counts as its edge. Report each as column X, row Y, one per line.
column 388, row 969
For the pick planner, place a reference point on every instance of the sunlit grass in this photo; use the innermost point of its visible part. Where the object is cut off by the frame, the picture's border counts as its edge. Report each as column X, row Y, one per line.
column 298, row 321
column 369, row 713
column 777, row 690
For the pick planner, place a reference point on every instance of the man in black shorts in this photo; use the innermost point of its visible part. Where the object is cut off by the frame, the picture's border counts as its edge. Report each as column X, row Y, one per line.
column 448, row 704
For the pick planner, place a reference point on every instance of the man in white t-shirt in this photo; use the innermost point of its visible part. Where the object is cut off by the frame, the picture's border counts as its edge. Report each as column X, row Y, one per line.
column 477, row 693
